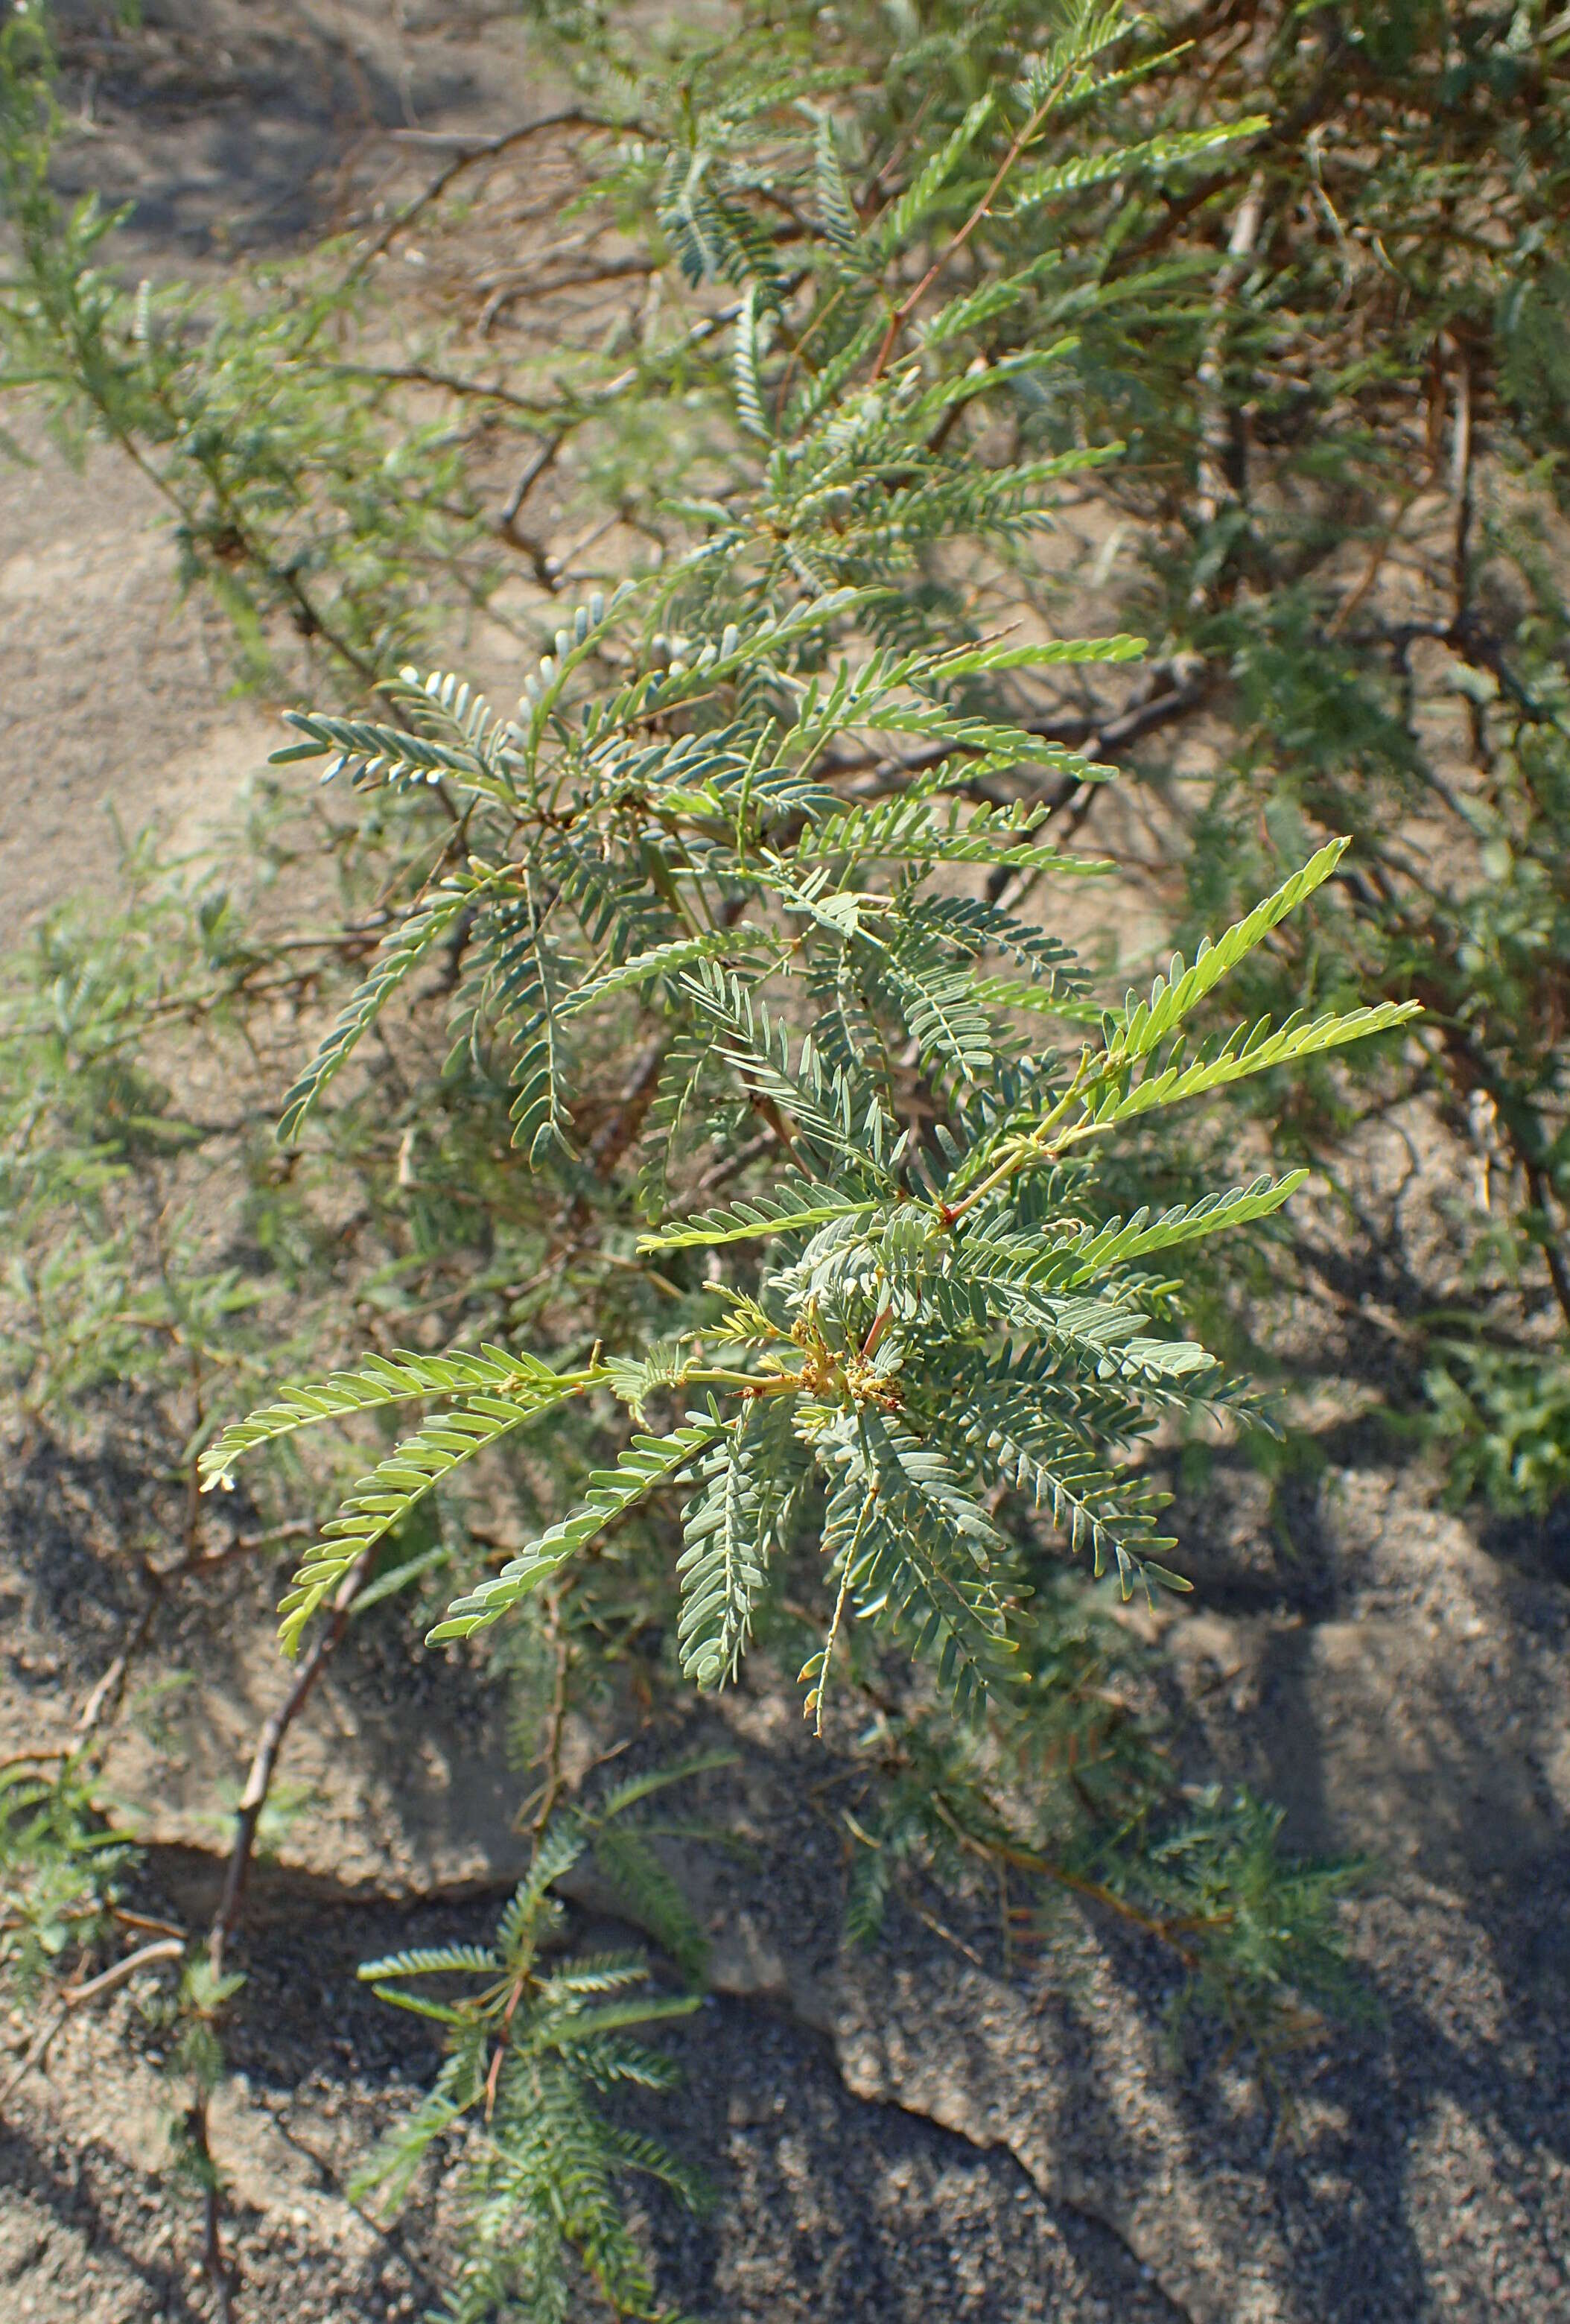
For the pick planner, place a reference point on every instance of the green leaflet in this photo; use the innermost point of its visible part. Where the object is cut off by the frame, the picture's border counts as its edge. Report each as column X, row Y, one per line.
column 1048, row 183
column 909, row 830
column 373, row 752
column 989, row 300
column 432, row 1960
column 749, row 385
column 976, row 925
column 1051, row 653
column 835, row 209
column 936, row 997
column 921, row 1557
column 1111, row 1336
column 1001, row 1280
column 493, row 1394
column 731, row 1527
column 1098, row 1249
column 648, row 1463
column 1031, row 1436
column 835, row 1109
column 787, row 1210
column 639, row 969
column 1174, row 997
column 903, row 216
column 383, row 1498
column 1243, row 1053
column 633, row 1379
column 380, row 1381
column 401, row 954
column 952, row 392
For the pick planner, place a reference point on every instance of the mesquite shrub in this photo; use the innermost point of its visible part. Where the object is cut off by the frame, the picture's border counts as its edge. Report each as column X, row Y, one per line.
column 745, row 1164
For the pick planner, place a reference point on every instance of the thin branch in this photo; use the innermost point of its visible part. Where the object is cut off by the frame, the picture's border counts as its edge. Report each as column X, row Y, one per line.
column 1091, row 734
column 1460, row 486
column 1559, row 1273
column 569, row 117
column 560, row 1645
column 1371, row 571
column 632, row 1102
column 109, row 1980
column 104, row 1699
column 577, row 278
column 247, row 1817
column 534, row 468
column 449, row 382
column 1215, row 436
column 265, row 1760
column 908, row 306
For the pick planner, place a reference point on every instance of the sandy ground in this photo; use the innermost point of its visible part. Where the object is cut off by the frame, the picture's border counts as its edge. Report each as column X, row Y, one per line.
column 924, row 2130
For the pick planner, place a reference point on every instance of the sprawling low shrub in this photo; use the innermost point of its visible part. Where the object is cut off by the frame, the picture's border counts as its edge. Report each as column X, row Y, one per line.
column 719, row 1146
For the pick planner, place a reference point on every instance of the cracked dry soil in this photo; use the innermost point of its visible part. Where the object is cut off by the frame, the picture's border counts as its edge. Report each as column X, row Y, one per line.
column 926, row 2131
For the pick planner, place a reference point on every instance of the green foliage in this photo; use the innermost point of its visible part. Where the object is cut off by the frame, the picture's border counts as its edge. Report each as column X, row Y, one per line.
column 732, row 808
column 59, row 1869
column 1220, row 1872
column 499, row 1393
column 910, row 1339
column 1504, row 1415
column 534, row 2038
column 288, row 496
column 1068, row 1794
column 713, row 1006
column 1358, row 568
column 92, row 1136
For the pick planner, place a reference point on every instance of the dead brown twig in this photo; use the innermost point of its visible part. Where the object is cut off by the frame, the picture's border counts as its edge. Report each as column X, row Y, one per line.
column 105, row 1698
column 264, row 1759
column 1213, row 488
column 490, row 149
column 247, row 1817
column 96, row 1989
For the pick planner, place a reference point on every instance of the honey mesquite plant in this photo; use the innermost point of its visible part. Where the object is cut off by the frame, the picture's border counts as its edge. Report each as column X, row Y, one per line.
column 1306, row 266
column 773, row 819
column 912, row 1309
column 756, row 823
